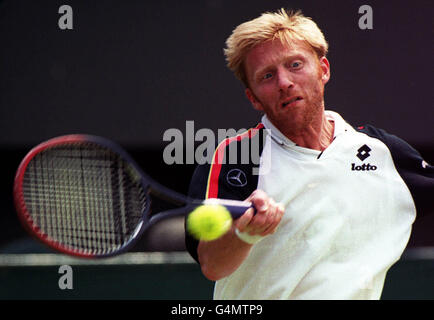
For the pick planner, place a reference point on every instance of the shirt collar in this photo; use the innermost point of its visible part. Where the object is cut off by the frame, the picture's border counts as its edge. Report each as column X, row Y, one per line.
column 280, row 138
column 340, row 125
column 275, row 133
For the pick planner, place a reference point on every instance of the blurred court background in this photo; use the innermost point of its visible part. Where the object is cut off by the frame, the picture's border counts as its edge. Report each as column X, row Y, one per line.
column 130, row 70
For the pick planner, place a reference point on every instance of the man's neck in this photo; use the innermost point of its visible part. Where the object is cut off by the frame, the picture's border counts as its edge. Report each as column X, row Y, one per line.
column 318, row 135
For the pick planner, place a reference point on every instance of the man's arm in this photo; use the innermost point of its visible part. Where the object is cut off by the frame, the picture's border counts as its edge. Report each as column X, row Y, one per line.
column 221, row 257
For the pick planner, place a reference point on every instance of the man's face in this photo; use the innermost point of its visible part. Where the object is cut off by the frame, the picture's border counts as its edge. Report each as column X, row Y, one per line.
column 287, row 83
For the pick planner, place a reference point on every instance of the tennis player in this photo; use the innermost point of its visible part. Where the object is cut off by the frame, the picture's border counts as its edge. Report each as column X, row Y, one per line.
column 335, row 209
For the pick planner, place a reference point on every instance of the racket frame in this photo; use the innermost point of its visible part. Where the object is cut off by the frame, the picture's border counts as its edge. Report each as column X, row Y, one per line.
column 151, row 187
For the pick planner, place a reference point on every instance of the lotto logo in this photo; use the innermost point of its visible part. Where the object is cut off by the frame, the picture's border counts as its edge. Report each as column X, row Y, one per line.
column 363, row 152
column 363, row 167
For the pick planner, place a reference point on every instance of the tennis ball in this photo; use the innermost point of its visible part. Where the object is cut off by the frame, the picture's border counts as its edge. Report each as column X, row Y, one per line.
column 209, row 222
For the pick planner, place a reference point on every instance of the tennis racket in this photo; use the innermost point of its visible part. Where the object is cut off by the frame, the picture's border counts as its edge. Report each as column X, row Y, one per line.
column 85, row 196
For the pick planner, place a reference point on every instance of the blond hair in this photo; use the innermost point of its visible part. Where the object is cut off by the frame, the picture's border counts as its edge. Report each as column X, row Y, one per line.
column 270, row 26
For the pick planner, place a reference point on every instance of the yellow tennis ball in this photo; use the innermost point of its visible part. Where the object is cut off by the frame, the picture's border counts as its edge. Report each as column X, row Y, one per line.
column 209, row 222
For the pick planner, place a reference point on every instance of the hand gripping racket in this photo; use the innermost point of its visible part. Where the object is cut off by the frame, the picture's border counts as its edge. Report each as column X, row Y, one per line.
column 85, row 196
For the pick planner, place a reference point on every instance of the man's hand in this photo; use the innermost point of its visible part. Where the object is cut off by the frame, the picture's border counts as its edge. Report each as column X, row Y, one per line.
column 267, row 218
column 221, row 257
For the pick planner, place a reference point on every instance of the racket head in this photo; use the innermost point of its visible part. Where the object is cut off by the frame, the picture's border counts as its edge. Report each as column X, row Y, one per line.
column 82, row 195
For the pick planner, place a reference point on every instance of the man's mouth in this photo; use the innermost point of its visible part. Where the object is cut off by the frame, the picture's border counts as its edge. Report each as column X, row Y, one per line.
column 291, row 101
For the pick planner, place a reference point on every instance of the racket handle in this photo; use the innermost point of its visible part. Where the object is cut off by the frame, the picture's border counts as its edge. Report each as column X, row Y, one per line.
column 238, row 211
column 236, row 208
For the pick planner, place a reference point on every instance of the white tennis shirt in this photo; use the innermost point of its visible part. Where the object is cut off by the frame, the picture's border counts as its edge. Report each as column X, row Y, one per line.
column 348, row 217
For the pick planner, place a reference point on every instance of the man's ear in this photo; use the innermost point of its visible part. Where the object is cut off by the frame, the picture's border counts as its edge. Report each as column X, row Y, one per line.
column 252, row 98
column 324, row 64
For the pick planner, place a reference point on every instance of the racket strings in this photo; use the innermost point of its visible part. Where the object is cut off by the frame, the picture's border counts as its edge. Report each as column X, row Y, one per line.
column 84, row 196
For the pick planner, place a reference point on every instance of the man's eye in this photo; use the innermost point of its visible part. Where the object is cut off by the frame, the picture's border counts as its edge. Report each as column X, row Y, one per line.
column 296, row 64
column 267, row 76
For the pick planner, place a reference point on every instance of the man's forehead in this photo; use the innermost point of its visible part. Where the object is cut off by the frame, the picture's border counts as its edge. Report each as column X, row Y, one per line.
column 273, row 51
column 275, row 47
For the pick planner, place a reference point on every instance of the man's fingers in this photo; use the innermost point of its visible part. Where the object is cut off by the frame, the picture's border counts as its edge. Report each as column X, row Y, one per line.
column 280, row 209
column 260, row 200
column 266, row 218
column 242, row 222
column 274, row 216
column 263, row 219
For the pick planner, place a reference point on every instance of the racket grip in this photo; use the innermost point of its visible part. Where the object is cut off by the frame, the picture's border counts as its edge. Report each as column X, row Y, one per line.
column 235, row 207
column 238, row 211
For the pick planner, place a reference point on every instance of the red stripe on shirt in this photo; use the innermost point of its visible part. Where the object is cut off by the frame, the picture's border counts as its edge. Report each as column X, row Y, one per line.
column 217, row 161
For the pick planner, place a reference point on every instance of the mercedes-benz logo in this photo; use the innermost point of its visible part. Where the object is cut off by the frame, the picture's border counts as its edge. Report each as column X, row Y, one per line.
column 236, row 178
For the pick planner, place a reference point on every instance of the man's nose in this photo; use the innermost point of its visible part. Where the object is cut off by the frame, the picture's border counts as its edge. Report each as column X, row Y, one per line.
column 284, row 79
